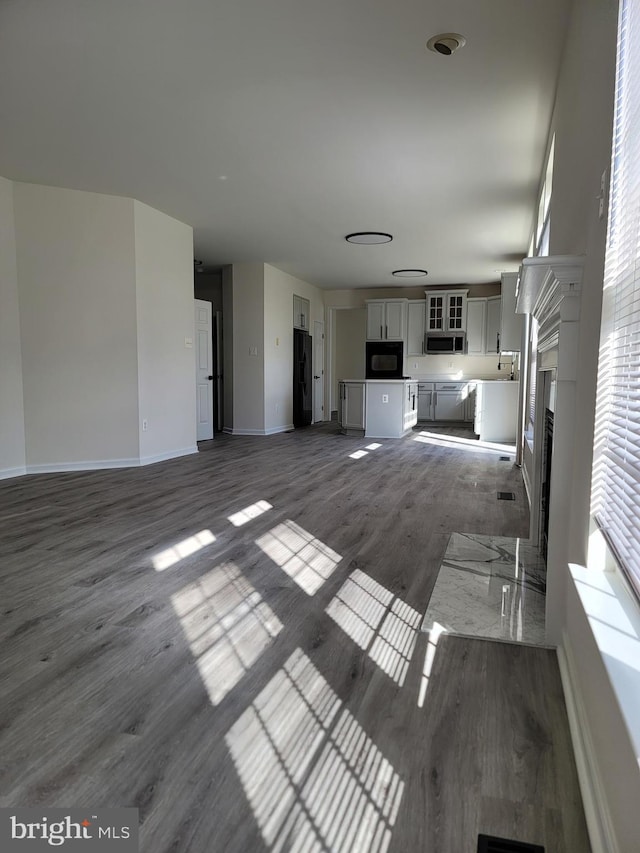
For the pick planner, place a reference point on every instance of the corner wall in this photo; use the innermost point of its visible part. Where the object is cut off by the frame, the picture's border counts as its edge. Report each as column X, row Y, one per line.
column 76, row 271
column 12, row 441
column 279, row 288
column 248, row 338
column 165, row 335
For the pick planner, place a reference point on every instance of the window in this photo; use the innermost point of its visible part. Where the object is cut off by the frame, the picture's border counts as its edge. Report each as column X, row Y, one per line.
column 533, row 372
column 616, row 472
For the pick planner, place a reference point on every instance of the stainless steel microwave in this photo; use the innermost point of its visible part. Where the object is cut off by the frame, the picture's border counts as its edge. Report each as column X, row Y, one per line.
column 445, row 342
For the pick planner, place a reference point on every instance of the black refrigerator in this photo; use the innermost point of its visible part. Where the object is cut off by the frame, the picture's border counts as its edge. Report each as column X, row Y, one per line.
column 302, row 381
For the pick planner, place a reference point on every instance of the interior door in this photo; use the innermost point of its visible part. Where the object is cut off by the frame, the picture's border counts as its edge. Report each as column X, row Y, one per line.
column 204, row 370
column 318, row 371
column 219, row 396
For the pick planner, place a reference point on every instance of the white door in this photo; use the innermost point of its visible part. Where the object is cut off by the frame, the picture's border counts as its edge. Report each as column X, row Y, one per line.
column 204, row 370
column 219, row 371
column 318, row 371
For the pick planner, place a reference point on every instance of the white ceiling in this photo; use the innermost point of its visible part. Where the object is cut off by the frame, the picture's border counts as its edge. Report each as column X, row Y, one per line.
column 276, row 127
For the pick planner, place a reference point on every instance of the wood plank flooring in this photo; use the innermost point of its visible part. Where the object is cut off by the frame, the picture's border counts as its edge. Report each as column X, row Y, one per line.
column 269, row 689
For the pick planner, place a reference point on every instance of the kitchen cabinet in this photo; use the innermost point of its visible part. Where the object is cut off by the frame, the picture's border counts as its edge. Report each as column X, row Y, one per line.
column 415, row 326
column 425, row 401
column 410, row 407
column 352, row 397
column 476, row 326
column 450, row 401
column 301, row 312
column 496, row 410
column 483, row 325
column 446, row 311
column 493, row 325
column 386, row 319
column 470, row 402
column 510, row 322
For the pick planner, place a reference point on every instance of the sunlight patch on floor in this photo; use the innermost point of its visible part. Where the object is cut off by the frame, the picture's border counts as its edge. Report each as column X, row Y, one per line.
column 469, row 444
column 378, row 622
column 307, row 560
column 244, row 515
column 313, row 777
column 434, row 636
column 180, row 550
column 227, row 624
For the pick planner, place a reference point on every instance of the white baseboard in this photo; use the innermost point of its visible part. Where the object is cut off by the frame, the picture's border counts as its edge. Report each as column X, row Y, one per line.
column 596, row 810
column 7, row 473
column 100, row 464
column 270, row 431
column 85, row 465
column 170, row 454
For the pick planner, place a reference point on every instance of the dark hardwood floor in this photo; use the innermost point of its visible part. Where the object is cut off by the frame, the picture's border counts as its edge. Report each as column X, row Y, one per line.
column 264, row 685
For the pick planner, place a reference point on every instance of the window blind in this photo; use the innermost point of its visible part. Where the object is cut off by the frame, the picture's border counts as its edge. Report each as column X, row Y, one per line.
column 616, row 471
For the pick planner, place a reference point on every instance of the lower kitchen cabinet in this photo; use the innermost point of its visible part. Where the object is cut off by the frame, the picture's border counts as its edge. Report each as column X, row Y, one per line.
column 352, row 406
column 450, row 401
column 425, row 401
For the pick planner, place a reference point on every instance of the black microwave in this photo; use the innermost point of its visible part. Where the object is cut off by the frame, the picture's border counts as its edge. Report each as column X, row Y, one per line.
column 384, row 360
column 444, row 342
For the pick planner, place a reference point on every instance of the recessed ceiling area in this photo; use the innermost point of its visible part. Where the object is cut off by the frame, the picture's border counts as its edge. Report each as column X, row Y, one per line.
column 275, row 129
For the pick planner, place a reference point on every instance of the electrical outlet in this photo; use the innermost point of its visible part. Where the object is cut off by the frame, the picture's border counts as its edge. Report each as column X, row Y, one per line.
column 145, row 425
column 415, row 365
column 385, row 398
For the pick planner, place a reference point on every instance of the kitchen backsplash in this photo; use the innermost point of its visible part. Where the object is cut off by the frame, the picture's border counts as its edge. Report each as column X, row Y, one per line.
column 474, row 366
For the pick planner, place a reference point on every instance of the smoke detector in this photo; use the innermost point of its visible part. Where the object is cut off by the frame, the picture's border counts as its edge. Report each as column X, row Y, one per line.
column 446, row 43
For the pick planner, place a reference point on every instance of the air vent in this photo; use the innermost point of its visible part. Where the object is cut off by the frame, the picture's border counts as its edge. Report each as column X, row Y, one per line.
column 506, row 496
column 505, row 459
column 492, row 844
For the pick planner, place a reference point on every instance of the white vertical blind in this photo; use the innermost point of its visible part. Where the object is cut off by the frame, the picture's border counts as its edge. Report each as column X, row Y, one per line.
column 616, row 472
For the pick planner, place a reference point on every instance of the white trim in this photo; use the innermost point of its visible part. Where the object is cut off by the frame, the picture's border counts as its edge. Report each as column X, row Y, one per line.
column 7, row 473
column 170, row 454
column 86, row 465
column 100, row 464
column 270, row 431
column 594, row 801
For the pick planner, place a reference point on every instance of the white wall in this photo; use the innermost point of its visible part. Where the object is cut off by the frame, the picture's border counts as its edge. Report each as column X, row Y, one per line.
column 583, row 125
column 279, row 288
column 165, row 319
column 76, row 267
column 350, row 336
column 12, row 443
column 227, row 348
column 248, row 333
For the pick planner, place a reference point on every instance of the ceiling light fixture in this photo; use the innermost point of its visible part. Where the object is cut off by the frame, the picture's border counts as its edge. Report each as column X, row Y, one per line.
column 368, row 238
column 446, row 43
column 409, row 273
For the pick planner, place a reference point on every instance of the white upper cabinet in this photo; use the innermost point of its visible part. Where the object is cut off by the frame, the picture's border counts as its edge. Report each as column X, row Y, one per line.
column 415, row 327
column 493, row 325
column 386, row 319
column 476, row 326
column 510, row 323
column 301, row 311
column 446, row 311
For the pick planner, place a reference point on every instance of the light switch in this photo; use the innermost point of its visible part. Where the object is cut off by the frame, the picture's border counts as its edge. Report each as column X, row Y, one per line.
column 253, row 351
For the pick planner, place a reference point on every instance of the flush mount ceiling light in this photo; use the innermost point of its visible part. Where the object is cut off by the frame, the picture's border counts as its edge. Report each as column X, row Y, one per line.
column 368, row 238
column 409, row 273
column 446, row 43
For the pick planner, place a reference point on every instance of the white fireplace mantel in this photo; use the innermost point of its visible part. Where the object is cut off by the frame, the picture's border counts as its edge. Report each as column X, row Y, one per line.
column 549, row 289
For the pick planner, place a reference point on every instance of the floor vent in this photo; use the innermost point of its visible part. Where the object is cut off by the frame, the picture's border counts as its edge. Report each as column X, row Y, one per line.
column 506, row 496
column 505, row 459
column 491, row 844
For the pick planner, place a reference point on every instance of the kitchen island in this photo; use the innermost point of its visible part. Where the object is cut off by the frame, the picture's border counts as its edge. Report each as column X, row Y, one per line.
column 378, row 408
